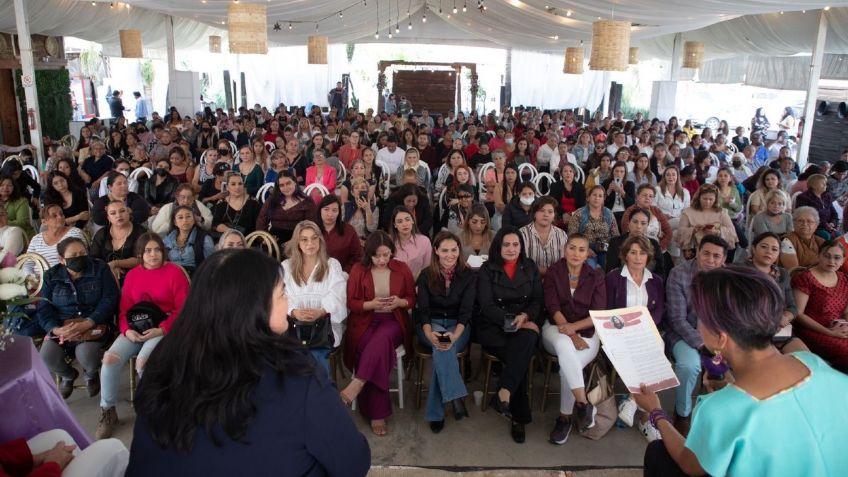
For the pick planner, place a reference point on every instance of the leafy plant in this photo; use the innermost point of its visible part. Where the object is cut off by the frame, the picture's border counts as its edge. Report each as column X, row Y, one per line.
column 90, row 60
column 147, row 73
column 350, row 49
column 53, row 89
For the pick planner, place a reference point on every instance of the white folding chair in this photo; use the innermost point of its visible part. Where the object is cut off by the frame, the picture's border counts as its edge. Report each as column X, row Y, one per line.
column 527, row 166
column 141, row 170
column 385, row 178
column 481, row 178
column 316, row 186
column 263, row 192
column 270, row 146
column 32, row 171
column 538, row 179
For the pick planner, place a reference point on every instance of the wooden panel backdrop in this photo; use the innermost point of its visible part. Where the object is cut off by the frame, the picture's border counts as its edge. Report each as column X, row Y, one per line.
column 431, row 90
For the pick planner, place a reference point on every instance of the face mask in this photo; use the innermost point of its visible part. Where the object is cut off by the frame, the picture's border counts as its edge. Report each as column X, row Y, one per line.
column 737, row 163
column 76, row 264
column 161, row 171
column 527, row 200
column 510, row 140
column 223, row 152
column 125, row 173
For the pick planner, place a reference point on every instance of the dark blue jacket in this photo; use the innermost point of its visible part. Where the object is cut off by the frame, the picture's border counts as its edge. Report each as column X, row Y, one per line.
column 301, row 428
column 94, row 295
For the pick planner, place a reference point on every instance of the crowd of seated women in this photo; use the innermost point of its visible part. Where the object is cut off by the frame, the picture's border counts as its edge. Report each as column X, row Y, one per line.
column 440, row 235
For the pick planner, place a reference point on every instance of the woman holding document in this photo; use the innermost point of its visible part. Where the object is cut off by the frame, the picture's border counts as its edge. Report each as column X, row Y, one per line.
column 772, row 419
column 572, row 288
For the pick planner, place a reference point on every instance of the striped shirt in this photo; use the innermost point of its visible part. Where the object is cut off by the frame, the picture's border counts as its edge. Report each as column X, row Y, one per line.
column 49, row 252
column 546, row 254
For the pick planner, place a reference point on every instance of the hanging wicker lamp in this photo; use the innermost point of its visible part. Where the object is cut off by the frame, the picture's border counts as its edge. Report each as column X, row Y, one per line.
column 214, row 44
column 633, row 57
column 316, row 50
column 610, row 45
column 131, row 46
column 573, row 61
column 693, row 54
column 248, row 28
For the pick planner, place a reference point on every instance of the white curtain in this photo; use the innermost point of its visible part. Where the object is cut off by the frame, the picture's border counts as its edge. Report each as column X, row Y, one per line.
column 782, row 72
column 538, row 80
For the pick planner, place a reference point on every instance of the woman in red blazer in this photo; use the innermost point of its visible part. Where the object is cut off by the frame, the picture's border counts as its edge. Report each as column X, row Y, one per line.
column 379, row 293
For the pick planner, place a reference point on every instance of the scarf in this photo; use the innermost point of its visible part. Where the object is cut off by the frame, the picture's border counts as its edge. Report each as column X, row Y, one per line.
column 448, row 273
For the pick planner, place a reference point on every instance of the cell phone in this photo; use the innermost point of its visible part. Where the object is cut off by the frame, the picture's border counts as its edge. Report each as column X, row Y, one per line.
column 363, row 195
column 443, row 338
column 223, row 187
column 508, row 325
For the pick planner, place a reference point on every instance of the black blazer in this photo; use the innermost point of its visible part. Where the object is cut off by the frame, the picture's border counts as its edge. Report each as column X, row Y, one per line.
column 629, row 194
column 497, row 295
column 578, row 191
column 455, row 303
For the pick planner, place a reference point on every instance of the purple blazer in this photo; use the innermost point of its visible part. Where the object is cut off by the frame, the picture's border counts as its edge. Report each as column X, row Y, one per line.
column 617, row 293
column 589, row 295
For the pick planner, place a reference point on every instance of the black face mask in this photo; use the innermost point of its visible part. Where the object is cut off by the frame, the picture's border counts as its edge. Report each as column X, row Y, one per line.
column 223, row 152
column 737, row 164
column 76, row 264
column 161, row 171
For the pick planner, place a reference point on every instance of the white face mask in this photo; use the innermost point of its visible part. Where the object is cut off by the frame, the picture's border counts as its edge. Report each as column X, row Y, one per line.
column 509, row 140
column 527, row 200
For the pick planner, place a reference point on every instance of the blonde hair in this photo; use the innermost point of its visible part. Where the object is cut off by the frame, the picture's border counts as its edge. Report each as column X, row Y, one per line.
column 322, row 269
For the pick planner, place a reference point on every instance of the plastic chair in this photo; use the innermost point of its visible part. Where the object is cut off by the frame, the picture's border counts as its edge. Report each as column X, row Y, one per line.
column 145, row 170
column 538, row 180
column 527, row 166
column 263, row 192
column 316, row 186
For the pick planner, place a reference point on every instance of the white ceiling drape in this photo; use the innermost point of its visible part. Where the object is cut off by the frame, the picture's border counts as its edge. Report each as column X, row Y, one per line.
column 728, row 27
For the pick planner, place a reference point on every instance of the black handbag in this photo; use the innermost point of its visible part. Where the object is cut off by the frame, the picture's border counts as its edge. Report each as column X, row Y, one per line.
column 312, row 334
column 145, row 315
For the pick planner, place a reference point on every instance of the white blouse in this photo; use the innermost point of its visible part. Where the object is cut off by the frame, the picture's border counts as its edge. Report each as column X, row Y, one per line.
column 637, row 295
column 671, row 205
column 329, row 294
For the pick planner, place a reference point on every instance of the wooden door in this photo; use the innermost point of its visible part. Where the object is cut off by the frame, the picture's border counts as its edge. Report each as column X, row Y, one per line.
column 434, row 91
column 10, row 133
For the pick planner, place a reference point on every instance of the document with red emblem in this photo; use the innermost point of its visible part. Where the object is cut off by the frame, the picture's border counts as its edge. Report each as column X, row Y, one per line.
column 633, row 345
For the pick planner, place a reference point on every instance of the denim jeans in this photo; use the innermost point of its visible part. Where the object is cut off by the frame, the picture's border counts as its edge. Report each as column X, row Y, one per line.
column 109, row 373
column 687, row 367
column 322, row 357
column 446, row 383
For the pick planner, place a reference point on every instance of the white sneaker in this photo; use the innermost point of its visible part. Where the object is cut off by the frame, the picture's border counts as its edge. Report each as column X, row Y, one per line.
column 627, row 411
column 650, row 432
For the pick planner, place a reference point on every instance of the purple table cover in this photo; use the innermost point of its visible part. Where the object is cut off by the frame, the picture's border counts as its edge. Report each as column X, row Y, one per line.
column 30, row 403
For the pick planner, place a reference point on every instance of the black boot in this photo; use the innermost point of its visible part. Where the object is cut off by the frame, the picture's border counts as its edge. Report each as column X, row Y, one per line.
column 459, row 410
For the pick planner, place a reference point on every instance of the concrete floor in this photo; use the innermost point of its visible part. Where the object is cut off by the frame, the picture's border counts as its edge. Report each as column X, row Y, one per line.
column 480, row 442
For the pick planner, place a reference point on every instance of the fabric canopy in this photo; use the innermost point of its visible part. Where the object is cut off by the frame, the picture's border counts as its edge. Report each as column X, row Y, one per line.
column 728, row 27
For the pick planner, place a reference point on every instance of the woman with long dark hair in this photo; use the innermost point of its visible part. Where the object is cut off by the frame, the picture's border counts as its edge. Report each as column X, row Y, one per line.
column 379, row 293
column 221, row 395
column 73, row 201
column 446, row 291
column 285, row 207
column 341, row 238
column 509, row 291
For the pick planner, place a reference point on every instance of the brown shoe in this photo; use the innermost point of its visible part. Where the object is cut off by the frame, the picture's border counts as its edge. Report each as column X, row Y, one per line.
column 108, row 422
column 682, row 424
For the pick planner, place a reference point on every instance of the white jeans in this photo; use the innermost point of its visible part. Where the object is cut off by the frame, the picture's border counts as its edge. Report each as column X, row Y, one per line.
column 571, row 362
column 104, row 458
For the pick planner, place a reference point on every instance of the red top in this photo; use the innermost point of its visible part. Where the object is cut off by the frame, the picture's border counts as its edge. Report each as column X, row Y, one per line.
column 166, row 286
column 569, row 204
column 16, row 460
column 509, row 267
column 470, row 150
column 344, row 248
column 360, row 288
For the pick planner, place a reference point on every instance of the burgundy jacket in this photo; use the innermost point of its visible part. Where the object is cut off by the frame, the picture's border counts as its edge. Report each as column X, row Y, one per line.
column 591, row 293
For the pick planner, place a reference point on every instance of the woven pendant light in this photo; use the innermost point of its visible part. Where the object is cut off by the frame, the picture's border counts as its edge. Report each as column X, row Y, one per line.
column 316, row 50
column 131, row 46
column 633, row 57
column 610, row 45
column 693, row 54
column 248, row 28
column 573, row 61
column 214, row 44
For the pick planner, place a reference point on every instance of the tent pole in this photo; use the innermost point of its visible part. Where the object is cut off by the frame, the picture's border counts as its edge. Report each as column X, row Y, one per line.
column 28, row 80
column 812, row 90
column 676, row 56
column 172, row 60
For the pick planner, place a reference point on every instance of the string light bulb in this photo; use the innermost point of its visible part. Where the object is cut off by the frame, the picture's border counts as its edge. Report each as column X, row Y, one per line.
column 341, row 15
column 465, row 7
column 290, row 26
column 377, row 35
